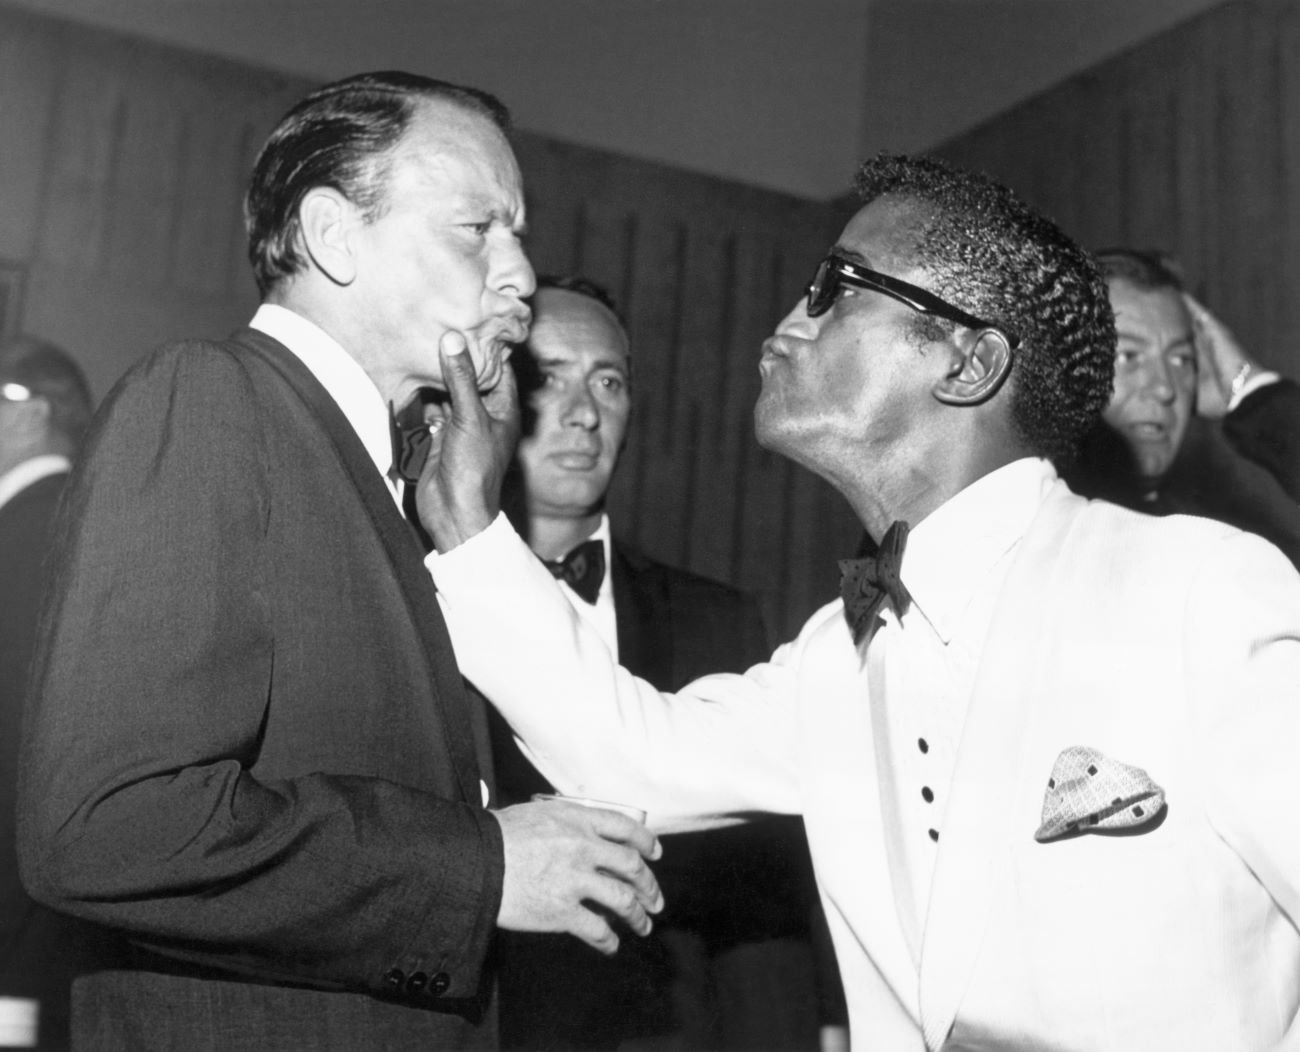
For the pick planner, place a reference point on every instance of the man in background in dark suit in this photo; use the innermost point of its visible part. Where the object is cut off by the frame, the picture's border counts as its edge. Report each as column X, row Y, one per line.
column 45, row 405
column 1194, row 425
column 729, row 964
column 249, row 749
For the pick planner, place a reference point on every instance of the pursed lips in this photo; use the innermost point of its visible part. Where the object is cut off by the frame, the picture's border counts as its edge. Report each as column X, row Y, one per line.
column 514, row 330
column 774, row 349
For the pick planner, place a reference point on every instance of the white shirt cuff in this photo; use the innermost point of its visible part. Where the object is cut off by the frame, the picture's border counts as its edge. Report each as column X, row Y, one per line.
column 1260, row 379
column 481, row 545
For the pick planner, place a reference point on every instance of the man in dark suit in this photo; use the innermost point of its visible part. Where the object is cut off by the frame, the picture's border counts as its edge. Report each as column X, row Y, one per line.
column 1194, row 426
column 249, row 748
column 45, row 405
column 729, row 964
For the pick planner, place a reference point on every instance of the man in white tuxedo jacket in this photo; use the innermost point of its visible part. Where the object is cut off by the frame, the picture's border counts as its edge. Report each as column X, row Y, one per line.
column 1048, row 766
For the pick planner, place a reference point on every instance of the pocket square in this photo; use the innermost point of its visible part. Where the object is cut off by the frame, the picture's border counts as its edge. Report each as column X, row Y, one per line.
column 1088, row 791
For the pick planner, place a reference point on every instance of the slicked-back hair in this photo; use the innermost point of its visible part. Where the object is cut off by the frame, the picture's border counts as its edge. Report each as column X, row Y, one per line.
column 49, row 372
column 342, row 136
column 1148, row 269
column 996, row 258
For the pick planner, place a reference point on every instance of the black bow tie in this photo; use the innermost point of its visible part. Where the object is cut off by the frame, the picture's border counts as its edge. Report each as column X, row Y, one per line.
column 411, row 439
column 865, row 584
column 582, row 569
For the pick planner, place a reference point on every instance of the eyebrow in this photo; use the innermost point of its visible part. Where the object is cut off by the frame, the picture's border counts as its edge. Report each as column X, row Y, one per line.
column 619, row 364
column 851, row 254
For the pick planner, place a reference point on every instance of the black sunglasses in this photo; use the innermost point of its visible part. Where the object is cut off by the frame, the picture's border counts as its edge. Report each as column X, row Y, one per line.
column 834, row 271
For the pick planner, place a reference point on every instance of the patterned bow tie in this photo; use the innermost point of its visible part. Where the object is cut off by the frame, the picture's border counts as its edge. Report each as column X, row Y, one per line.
column 411, row 439
column 865, row 584
column 582, row 569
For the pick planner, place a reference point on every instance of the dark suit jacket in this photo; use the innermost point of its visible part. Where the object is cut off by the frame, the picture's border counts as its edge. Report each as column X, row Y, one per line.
column 40, row 951
column 728, row 886
column 250, row 750
column 1244, row 471
column 1265, row 429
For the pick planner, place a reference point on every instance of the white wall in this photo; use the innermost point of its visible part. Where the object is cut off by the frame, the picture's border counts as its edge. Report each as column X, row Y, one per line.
column 936, row 68
column 784, row 94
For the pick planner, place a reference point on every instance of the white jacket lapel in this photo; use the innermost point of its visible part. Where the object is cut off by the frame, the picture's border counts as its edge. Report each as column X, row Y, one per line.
column 981, row 817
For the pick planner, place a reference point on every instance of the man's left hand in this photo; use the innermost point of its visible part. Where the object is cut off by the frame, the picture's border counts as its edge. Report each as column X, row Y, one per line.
column 472, row 442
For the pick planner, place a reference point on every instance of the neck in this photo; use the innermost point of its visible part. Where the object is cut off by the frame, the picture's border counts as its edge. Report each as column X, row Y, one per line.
column 554, row 538
column 912, row 494
column 305, row 298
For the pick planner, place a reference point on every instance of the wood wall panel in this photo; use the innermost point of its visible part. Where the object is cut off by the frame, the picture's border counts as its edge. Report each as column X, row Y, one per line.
column 1188, row 142
column 120, row 194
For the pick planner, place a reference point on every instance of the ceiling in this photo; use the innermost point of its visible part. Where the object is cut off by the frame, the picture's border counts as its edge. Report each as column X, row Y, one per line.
column 784, row 94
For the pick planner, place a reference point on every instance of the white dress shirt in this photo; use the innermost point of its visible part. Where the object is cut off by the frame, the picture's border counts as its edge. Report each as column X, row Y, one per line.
column 30, row 472
column 954, row 565
column 600, row 615
column 340, row 374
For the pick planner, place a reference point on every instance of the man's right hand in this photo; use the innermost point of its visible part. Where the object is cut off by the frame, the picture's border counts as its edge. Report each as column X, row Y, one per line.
column 568, row 868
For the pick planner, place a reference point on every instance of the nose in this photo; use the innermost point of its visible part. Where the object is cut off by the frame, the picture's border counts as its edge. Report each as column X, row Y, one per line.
column 580, row 408
column 797, row 322
column 1157, row 381
column 515, row 276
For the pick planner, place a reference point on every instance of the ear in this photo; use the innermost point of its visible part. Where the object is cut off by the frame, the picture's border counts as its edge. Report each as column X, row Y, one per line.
column 327, row 219
column 979, row 367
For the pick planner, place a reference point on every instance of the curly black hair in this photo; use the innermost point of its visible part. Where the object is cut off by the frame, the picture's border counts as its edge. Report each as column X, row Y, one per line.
column 991, row 254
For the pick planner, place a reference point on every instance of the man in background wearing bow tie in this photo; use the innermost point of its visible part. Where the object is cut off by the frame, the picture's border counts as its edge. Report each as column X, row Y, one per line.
column 249, row 748
column 729, row 964
column 1049, row 781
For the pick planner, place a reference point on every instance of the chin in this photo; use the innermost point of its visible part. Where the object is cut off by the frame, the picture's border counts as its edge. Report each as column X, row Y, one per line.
column 767, row 429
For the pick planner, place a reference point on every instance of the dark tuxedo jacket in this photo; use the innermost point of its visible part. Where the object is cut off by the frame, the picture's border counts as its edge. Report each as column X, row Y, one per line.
column 40, row 951
column 727, row 887
column 250, row 751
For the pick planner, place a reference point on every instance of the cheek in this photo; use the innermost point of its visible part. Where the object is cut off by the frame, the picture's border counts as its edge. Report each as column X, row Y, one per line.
column 1123, row 391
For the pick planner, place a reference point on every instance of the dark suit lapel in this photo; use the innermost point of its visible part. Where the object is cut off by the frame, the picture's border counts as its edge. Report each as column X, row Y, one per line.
column 645, row 642
column 402, row 547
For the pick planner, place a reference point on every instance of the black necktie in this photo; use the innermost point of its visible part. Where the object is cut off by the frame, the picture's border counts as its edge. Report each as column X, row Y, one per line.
column 582, row 569
column 410, row 437
column 865, row 584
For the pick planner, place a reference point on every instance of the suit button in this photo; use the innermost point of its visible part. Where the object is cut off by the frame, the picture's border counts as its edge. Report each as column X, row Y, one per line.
column 394, row 978
column 416, row 983
column 439, row 984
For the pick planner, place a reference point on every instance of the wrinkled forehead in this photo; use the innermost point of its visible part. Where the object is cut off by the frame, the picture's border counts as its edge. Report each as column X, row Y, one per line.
column 568, row 325
column 1140, row 310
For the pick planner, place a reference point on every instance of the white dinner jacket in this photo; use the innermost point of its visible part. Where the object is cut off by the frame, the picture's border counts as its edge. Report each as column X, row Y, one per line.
column 1172, row 645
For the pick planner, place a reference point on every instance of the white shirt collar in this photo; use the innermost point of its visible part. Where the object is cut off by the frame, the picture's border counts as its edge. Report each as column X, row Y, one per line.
column 30, row 472
column 953, row 548
column 339, row 373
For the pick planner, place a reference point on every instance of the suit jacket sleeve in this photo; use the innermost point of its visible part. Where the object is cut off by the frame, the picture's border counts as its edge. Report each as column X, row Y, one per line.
column 141, row 805
column 1265, row 428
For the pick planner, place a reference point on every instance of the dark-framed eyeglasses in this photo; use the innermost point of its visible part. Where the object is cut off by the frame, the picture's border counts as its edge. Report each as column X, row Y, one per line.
column 834, row 271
